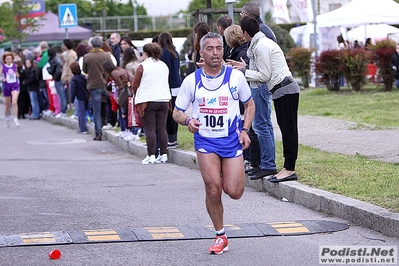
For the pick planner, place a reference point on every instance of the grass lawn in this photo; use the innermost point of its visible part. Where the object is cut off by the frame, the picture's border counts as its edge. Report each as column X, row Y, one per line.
column 371, row 108
column 353, row 176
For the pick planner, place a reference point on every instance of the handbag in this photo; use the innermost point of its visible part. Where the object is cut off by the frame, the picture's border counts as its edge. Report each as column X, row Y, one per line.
column 55, row 70
column 124, row 95
column 134, row 119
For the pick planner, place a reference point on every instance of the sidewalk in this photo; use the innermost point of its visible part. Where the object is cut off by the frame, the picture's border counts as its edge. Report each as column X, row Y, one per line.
column 327, row 134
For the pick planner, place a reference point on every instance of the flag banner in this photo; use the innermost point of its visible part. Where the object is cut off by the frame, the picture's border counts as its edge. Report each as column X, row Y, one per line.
column 304, row 9
column 280, row 12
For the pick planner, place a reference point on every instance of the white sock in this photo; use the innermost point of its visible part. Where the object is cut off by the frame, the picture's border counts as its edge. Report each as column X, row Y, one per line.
column 220, row 232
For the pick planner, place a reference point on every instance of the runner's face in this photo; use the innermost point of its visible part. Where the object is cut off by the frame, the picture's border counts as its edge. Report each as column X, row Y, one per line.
column 212, row 52
column 8, row 60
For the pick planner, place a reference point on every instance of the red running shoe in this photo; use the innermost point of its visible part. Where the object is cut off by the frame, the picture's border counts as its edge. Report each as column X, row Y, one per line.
column 221, row 244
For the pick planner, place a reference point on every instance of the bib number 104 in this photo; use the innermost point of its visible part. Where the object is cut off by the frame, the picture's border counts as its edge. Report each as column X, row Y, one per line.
column 213, row 121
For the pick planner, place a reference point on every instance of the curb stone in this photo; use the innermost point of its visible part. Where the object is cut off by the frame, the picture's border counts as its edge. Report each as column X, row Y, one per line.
column 355, row 211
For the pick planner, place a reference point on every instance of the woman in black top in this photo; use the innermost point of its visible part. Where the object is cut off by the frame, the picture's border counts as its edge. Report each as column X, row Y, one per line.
column 32, row 85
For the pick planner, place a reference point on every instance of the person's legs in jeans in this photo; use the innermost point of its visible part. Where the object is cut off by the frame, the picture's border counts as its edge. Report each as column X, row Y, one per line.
column 82, row 115
column 35, row 104
column 263, row 127
column 42, row 97
column 122, row 122
column 76, row 105
column 59, row 86
column 108, row 105
column 96, row 101
column 397, row 84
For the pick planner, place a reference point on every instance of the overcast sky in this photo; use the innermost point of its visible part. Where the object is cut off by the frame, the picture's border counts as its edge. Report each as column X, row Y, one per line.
column 157, row 7
column 163, row 7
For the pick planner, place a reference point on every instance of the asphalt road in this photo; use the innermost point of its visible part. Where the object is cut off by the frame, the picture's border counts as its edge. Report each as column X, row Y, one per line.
column 52, row 179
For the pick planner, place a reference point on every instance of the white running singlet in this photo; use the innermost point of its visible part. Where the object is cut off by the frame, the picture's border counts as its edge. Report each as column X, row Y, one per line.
column 215, row 103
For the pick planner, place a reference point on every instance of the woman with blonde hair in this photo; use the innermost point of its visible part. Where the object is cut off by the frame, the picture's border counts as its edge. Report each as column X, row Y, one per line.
column 235, row 39
column 151, row 88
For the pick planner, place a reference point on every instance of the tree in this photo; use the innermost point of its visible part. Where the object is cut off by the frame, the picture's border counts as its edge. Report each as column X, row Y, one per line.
column 197, row 4
column 15, row 21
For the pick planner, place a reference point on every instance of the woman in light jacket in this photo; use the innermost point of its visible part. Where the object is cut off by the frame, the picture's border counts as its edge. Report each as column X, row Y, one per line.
column 151, row 88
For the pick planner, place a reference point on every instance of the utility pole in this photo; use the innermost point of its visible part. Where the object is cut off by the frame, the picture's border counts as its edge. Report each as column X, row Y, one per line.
column 135, row 15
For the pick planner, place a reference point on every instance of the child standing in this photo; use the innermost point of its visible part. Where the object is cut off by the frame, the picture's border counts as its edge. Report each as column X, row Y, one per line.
column 11, row 86
column 79, row 90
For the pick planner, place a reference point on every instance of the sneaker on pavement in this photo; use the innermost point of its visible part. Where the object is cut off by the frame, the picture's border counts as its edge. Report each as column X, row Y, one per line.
column 73, row 117
column 16, row 122
column 162, row 158
column 7, row 121
column 59, row 115
column 149, row 160
column 135, row 137
column 107, row 126
column 82, row 132
column 221, row 244
column 128, row 136
column 172, row 145
column 47, row 113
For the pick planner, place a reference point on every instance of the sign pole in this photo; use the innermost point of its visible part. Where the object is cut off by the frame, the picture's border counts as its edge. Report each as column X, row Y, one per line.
column 66, row 33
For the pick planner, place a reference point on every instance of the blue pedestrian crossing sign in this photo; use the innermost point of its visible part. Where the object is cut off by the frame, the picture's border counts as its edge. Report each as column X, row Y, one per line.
column 67, row 15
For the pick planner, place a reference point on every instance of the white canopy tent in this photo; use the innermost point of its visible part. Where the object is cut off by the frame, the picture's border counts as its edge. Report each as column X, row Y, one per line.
column 375, row 32
column 361, row 12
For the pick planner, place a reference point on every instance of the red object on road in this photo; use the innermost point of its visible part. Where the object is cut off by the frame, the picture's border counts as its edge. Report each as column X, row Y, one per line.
column 55, row 254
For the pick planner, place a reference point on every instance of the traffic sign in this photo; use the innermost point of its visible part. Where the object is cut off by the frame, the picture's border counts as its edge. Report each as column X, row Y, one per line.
column 68, row 15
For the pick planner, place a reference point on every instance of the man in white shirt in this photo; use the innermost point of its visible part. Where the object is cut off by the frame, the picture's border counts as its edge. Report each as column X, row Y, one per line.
column 219, row 136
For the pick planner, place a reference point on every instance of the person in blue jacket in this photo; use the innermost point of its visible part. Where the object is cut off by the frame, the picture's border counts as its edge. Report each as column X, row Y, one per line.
column 171, row 58
column 79, row 90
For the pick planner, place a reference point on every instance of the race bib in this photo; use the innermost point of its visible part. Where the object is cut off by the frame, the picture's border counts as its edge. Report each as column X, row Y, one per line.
column 215, row 122
column 11, row 78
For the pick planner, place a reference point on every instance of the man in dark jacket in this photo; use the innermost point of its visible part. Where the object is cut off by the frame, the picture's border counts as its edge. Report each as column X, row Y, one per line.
column 395, row 65
column 222, row 23
column 252, row 10
column 114, row 40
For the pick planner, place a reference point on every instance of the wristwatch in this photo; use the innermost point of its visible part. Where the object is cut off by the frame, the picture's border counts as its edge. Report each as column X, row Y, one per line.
column 245, row 129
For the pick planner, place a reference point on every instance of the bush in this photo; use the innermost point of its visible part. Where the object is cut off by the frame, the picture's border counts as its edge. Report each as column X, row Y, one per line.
column 330, row 65
column 383, row 51
column 355, row 67
column 284, row 38
column 299, row 60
